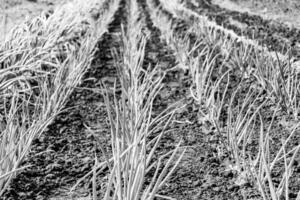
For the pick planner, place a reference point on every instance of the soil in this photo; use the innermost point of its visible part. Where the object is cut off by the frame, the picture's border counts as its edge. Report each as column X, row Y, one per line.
column 65, row 152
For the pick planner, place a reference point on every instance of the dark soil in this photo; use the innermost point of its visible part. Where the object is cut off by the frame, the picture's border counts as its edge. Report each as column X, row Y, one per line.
column 65, row 152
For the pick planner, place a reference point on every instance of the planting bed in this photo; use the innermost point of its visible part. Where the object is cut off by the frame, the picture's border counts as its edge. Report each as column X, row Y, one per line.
column 66, row 151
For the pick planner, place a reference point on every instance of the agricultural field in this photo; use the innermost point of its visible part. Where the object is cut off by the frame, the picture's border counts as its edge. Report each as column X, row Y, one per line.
column 150, row 100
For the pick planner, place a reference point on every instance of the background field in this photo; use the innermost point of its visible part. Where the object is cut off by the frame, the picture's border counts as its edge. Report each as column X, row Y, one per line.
column 14, row 12
column 150, row 100
column 286, row 11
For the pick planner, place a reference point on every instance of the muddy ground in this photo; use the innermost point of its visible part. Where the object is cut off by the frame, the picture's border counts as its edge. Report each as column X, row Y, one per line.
column 65, row 151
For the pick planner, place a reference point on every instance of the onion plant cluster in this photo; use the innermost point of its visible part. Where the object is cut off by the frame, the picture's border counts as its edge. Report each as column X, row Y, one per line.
column 135, row 133
column 135, row 171
column 41, row 62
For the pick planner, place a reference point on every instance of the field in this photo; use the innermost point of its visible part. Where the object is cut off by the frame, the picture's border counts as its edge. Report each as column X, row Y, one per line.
column 286, row 11
column 150, row 100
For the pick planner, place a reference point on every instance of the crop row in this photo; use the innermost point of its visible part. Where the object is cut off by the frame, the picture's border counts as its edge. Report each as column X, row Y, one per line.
column 41, row 62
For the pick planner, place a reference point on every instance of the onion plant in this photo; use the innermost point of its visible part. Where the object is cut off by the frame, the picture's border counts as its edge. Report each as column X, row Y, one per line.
column 41, row 62
column 132, row 123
